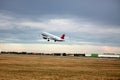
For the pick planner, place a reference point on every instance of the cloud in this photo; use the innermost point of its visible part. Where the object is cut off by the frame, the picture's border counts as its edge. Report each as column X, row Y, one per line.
column 78, row 30
column 53, row 48
column 106, row 12
column 87, row 24
column 55, row 24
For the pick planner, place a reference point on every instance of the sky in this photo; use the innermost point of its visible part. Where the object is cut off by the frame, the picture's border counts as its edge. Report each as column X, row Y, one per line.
column 90, row 26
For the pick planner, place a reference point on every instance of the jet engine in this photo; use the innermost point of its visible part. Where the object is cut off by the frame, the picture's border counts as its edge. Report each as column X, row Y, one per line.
column 44, row 37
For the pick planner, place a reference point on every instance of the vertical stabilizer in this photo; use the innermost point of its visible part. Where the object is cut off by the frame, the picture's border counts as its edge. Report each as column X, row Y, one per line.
column 63, row 35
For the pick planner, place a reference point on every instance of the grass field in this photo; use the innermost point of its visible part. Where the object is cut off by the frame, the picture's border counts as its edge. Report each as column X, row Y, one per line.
column 36, row 67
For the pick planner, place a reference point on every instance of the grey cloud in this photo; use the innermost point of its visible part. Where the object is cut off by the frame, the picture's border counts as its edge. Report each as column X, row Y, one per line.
column 25, row 30
column 104, row 11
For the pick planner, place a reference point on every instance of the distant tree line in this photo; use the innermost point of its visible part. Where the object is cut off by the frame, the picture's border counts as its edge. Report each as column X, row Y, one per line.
column 4, row 52
column 31, row 53
column 13, row 52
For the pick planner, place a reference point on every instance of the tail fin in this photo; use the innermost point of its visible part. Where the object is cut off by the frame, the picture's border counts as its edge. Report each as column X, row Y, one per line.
column 63, row 35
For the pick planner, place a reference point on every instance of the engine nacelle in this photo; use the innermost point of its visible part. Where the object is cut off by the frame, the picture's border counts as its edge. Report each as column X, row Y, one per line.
column 44, row 37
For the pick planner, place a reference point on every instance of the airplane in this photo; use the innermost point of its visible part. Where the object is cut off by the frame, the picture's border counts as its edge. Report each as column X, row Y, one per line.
column 49, row 37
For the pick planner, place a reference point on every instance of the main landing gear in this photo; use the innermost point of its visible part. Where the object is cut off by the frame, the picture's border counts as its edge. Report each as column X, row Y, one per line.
column 48, row 40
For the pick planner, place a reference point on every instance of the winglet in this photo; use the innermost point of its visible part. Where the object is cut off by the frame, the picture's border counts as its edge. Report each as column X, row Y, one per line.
column 63, row 35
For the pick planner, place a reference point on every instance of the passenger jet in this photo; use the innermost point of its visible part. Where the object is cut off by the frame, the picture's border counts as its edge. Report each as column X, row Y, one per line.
column 49, row 37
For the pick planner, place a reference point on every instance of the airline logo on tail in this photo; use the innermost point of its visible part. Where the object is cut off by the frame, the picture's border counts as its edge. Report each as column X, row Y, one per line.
column 62, row 37
column 49, row 37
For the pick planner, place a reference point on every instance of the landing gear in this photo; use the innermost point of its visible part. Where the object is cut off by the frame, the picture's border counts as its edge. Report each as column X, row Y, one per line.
column 48, row 40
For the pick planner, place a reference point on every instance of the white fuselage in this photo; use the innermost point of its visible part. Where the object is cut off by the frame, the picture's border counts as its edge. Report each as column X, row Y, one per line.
column 49, row 36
